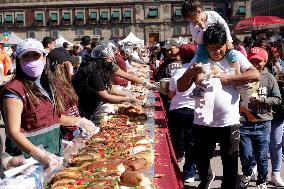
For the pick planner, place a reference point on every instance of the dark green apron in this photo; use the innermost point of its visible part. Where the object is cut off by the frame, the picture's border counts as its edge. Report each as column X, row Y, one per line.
column 51, row 142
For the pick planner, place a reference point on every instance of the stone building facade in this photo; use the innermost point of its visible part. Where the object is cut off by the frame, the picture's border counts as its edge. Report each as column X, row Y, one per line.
column 151, row 20
column 268, row 8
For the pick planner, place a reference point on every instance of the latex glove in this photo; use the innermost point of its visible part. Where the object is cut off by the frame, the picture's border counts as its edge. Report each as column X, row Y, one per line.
column 149, row 85
column 9, row 162
column 157, row 85
column 48, row 160
column 133, row 100
column 89, row 128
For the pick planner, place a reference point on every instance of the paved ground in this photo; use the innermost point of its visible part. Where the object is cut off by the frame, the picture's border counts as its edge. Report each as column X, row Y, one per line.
column 217, row 169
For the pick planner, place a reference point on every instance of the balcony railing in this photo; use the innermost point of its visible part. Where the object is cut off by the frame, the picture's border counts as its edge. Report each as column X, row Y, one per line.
column 38, row 23
column 53, row 23
column 104, row 21
column 66, row 22
column 150, row 20
column 93, row 21
column 79, row 22
column 115, row 20
column 19, row 24
column 127, row 20
column 8, row 24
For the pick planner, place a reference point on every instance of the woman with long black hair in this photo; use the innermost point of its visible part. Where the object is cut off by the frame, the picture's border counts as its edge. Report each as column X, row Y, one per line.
column 93, row 85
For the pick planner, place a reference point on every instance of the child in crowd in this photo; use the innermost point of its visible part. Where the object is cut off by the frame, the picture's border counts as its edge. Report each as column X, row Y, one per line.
column 255, row 132
column 192, row 11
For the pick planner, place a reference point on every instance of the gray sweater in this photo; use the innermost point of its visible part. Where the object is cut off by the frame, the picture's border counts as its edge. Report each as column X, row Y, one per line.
column 270, row 96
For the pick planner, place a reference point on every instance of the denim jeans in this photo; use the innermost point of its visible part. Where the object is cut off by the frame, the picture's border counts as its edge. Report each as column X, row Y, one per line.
column 254, row 144
column 275, row 145
column 181, row 123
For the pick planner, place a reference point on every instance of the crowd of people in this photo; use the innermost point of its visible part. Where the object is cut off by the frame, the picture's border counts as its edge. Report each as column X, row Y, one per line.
column 250, row 126
column 224, row 91
column 53, row 96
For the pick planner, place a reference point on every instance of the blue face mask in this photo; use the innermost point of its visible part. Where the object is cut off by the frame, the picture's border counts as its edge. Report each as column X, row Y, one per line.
column 33, row 68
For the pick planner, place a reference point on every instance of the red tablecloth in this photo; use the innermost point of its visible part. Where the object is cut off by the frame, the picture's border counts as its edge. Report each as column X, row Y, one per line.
column 168, row 175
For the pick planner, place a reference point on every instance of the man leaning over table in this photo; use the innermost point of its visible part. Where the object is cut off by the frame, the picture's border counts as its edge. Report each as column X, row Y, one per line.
column 216, row 116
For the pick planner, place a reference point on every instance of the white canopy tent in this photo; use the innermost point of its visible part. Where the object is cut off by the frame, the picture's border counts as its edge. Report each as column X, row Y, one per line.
column 13, row 39
column 133, row 39
column 59, row 42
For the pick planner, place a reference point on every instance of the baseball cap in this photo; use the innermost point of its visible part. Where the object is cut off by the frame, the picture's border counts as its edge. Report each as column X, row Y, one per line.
column 28, row 45
column 257, row 53
column 172, row 42
column 60, row 55
column 186, row 51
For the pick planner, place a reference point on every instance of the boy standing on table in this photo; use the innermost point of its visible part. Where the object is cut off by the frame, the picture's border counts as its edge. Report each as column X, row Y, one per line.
column 200, row 20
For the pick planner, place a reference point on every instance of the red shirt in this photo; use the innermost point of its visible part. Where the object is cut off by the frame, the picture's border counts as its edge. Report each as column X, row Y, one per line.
column 122, row 65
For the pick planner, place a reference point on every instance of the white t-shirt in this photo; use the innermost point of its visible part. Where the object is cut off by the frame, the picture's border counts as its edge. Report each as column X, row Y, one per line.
column 220, row 105
column 181, row 99
column 212, row 18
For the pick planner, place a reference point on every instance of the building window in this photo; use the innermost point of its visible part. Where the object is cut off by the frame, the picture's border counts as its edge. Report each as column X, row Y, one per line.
column 115, row 15
column 178, row 13
column 98, row 31
column 20, row 18
column 80, row 32
column 39, row 17
column 54, row 34
column 104, row 15
column 153, row 13
column 31, row 34
column 127, row 14
column 178, row 30
column 93, row 16
column 127, row 30
column 242, row 10
column 115, row 32
column 9, row 19
column 67, row 16
column 53, row 17
column 80, row 16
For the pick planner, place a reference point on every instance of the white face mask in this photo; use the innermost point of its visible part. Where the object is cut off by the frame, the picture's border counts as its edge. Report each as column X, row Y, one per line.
column 33, row 68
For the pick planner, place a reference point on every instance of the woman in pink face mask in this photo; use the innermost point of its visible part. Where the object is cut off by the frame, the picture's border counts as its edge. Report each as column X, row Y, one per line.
column 29, row 109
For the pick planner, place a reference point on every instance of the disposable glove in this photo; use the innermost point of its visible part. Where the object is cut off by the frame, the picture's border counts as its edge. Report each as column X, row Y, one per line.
column 9, row 162
column 47, row 159
column 149, row 85
column 88, row 127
